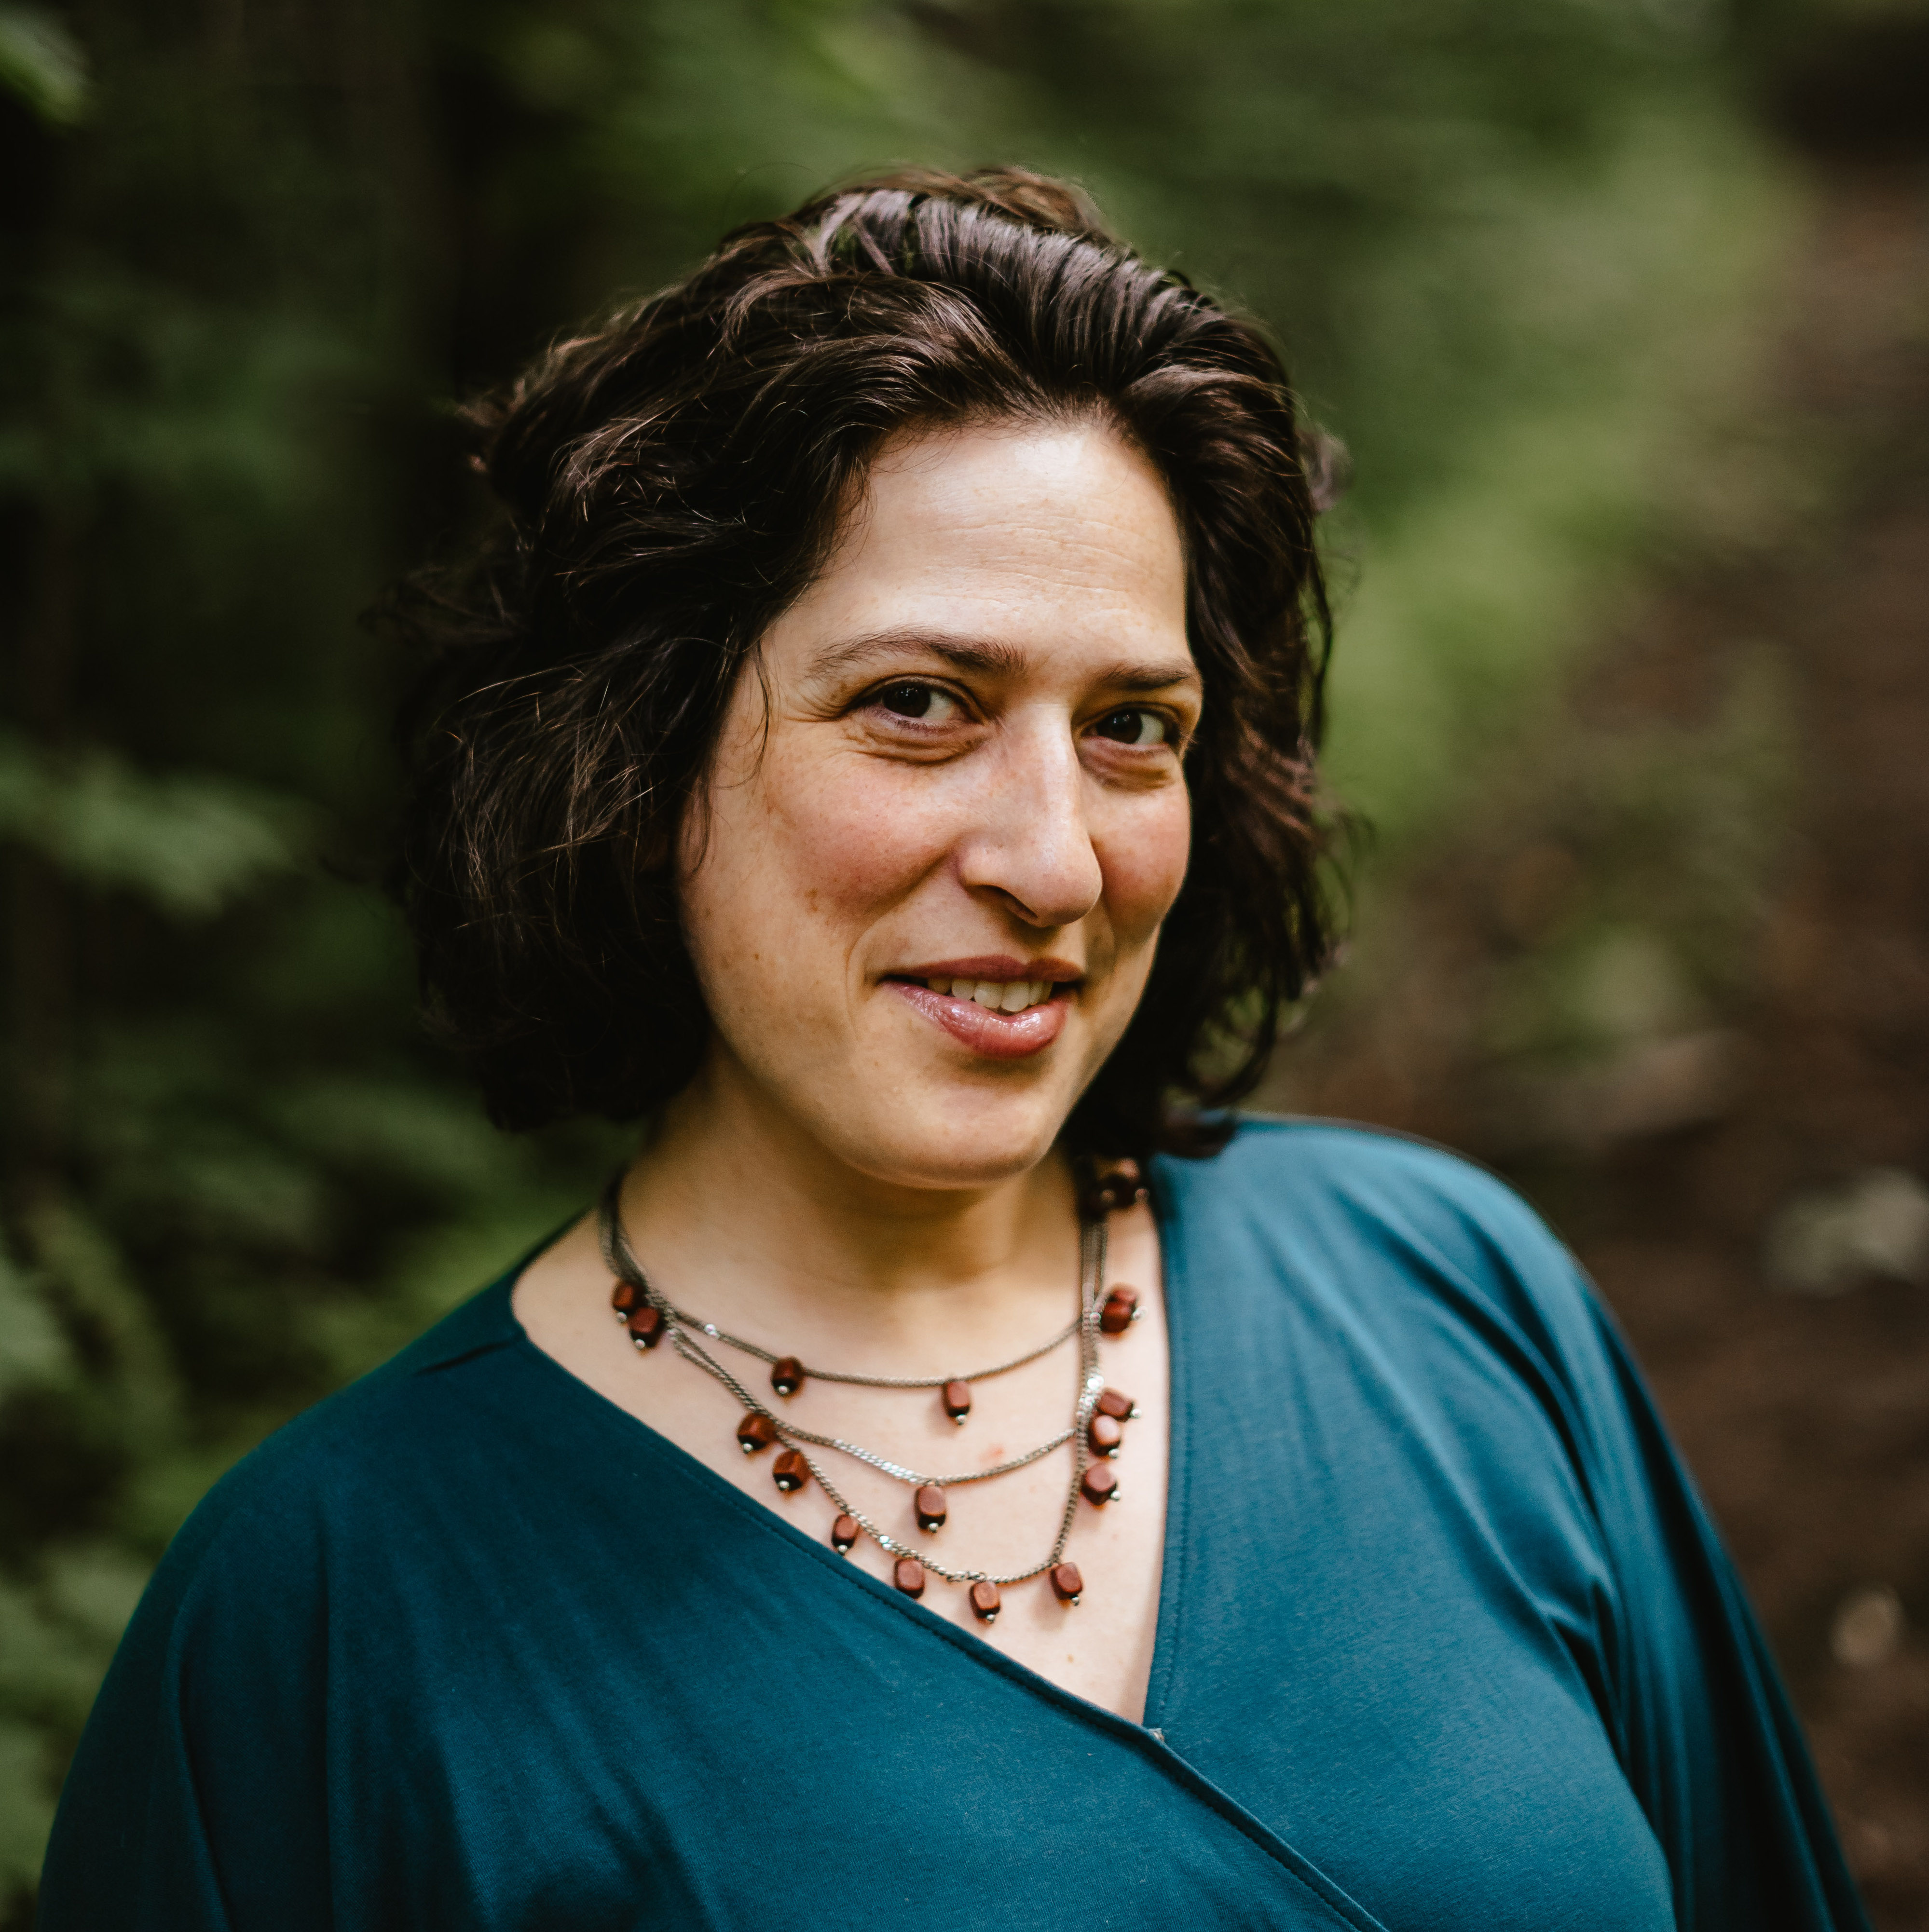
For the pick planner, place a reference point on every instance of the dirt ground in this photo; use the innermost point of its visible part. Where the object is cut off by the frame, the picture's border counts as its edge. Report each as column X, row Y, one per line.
column 1743, row 1172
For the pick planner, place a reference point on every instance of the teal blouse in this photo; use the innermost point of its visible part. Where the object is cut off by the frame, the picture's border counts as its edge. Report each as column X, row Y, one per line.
column 1446, row 1641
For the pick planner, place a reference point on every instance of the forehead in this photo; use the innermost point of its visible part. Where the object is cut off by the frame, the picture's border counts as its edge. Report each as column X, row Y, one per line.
column 1035, row 533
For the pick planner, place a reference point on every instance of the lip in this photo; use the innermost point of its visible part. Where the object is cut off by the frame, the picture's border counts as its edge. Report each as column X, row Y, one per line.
column 994, row 1036
column 1002, row 966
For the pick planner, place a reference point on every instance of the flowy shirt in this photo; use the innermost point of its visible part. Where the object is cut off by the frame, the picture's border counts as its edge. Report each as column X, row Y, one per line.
column 1445, row 1643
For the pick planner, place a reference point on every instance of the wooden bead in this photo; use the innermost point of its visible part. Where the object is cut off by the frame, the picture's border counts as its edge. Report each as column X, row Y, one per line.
column 756, row 1432
column 791, row 1471
column 787, row 1375
column 957, row 1401
column 646, row 1325
column 908, row 1573
column 625, row 1296
column 1105, row 1433
column 929, row 1504
column 1068, row 1585
column 1118, row 1405
column 1115, row 1184
column 1120, row 1311
column 1100, row 1484
column 844, row 1533
column 985, row 1602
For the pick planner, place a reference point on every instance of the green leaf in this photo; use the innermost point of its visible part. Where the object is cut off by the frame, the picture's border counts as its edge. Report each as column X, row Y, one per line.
column 42, row 63
column 33, row 1348
column 190, row 843
column 26, row 1806
column 89, row 1272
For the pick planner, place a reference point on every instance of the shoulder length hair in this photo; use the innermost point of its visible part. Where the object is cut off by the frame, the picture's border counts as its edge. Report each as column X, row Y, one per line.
column 668, row 483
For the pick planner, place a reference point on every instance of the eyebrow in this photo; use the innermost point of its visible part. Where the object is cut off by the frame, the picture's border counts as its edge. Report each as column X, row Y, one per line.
column 988, row 657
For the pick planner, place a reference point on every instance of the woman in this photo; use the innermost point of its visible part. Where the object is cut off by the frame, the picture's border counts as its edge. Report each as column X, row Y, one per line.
column 877, row 749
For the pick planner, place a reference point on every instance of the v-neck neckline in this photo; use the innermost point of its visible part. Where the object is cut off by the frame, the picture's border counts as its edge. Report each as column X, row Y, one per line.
column 1179, row 1410
column 480, row 1333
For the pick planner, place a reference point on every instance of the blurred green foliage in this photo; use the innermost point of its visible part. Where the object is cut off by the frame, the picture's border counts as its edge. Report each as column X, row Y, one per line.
column 41, row 65
column 249, row 254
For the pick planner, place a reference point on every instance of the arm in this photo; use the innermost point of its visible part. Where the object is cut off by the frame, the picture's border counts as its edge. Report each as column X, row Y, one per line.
column 1712, row 1747
column 195, row 1802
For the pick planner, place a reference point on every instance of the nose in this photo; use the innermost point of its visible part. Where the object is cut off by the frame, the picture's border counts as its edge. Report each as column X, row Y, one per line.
column 1030, row 844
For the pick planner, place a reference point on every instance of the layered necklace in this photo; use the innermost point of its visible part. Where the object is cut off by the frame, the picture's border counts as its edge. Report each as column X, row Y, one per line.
column 1095, row 1432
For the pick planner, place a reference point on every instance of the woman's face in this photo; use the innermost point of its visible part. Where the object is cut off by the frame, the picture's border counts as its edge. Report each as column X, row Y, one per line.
column 924, row 895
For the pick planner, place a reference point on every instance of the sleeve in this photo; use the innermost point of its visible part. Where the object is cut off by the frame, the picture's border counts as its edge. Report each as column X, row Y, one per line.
column 1705, row 1732
column 158, row 1831
column 1712, row 1746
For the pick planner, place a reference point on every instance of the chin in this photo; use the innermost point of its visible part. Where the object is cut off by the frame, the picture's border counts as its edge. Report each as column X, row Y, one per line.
column 944, row 1138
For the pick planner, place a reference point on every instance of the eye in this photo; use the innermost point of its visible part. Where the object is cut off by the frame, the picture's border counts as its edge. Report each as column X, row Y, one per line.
column 1136, row 726
column 925, row 703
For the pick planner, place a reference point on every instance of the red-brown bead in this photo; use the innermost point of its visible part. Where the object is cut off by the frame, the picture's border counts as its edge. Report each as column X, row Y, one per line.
column 1120, row 1311
column 646, row 1325
column 787, row 1375
column 625, row 1297
column 1100, row 1484
column 1115, row 1184
column 1118, row 1405
column 985, row 1602
column 756, row 1432
column 844, row 1533
column 791, row 1471
column 1068, row 1585
column 929, row 1504
column 908, row 1573
column 958, row 1400
column 1105, row 1433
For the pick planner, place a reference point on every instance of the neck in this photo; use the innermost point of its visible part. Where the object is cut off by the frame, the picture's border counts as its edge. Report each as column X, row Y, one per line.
column 742, row 1216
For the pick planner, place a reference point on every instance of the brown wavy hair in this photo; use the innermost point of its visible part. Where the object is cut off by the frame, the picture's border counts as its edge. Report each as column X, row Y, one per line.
column 668, row 483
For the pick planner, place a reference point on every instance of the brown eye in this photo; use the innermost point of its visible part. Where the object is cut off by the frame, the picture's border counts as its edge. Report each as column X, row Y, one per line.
column 924, row 702
column 1134, row 726
column 908, row 701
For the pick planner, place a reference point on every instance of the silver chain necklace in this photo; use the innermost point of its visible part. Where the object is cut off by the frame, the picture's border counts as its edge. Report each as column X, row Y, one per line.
column 1095, row 1431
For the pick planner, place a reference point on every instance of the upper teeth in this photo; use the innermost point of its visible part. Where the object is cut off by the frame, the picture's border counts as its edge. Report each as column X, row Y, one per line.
column 1000, row 996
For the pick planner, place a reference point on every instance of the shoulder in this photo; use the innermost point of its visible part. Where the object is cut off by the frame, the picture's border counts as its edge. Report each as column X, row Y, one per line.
column 219, row 1693
column 1275, row 1165
column 348, row 1466
column 1386, row 1219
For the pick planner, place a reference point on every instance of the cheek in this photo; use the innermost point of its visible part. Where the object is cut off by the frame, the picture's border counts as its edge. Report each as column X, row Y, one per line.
column 853, row 835
column 799, row 847
column 1145, row 860
column 865, row 831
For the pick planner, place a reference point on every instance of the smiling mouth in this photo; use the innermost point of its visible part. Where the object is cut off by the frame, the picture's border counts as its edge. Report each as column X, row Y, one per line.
column 995, row 996
column 996, row 1018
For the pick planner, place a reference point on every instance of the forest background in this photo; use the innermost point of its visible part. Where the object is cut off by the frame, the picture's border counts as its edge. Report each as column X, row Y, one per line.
column 1618, row 304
